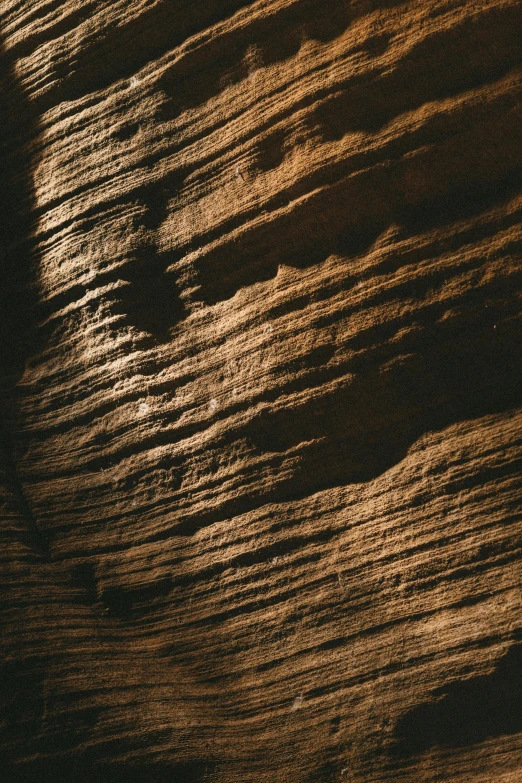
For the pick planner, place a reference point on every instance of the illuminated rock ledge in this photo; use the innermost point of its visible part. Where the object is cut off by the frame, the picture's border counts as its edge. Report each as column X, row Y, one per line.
column 260, row 376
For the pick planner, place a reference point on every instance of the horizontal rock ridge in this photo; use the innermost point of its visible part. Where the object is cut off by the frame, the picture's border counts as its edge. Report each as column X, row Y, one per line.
column 260, row 391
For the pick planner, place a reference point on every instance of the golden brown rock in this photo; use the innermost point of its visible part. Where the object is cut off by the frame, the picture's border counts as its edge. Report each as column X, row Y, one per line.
column 260, row 381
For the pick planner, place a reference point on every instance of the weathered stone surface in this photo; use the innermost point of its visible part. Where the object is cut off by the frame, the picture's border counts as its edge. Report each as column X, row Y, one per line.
column 260, row 383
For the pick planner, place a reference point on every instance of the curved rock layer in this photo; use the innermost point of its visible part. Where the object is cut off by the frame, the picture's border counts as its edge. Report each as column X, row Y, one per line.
column 261, row 424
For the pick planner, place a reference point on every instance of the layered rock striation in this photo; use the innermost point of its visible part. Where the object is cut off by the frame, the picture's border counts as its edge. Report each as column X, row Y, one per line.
column 260, row 391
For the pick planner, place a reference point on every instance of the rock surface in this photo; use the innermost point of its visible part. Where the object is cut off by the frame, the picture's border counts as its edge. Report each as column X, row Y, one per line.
column 260, row 391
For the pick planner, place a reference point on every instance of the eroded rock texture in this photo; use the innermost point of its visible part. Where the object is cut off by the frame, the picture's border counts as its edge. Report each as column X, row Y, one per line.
column 260, row 391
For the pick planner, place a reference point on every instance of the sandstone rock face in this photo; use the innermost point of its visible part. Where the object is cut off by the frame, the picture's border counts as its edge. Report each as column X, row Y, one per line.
column 260, row 391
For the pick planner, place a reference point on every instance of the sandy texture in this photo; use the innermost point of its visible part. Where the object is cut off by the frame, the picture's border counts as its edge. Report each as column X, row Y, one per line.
column 260, row 391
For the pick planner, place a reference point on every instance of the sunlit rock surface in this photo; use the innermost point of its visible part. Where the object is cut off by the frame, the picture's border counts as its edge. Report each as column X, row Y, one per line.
column 260, row 391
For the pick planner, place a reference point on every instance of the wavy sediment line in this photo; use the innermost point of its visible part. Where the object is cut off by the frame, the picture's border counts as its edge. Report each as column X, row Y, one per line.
column 261, row 496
